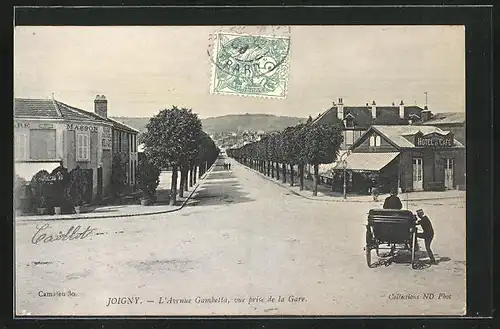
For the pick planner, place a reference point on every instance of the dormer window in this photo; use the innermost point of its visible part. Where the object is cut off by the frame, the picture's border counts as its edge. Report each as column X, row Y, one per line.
column 414, row 117
column 349, row 120
column 377, row 141
column 372, row 141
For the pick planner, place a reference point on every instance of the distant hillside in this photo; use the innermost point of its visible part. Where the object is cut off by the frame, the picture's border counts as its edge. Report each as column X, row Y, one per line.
column 230, row 123
column 250, row 122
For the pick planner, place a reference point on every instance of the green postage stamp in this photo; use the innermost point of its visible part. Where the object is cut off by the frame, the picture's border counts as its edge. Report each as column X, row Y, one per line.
column 250, row 65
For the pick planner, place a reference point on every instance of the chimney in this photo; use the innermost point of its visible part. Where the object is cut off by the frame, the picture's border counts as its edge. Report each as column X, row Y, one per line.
column 340, row 109
column 101, row 106
column 374, row 110
column 401, row 110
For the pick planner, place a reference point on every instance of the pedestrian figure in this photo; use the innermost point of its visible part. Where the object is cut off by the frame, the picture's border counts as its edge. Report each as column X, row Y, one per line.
column 374, row 188
column 427, row 234
column 229, row 164
column 393, row 201
column 225, row 166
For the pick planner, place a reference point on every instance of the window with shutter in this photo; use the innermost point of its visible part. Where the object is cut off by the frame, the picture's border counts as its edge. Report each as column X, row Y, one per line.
column 83, row 147
column 20, row 146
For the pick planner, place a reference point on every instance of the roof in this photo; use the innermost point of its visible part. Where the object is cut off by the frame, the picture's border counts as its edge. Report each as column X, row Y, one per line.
column 368, row 161
column 396, row 134
column 446, row 118
column 362, row 115
column 43, row 108
column 53, row 109
column 121, row 125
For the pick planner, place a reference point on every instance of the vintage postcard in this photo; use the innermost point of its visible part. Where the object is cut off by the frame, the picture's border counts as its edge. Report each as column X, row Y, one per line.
column 239, row 170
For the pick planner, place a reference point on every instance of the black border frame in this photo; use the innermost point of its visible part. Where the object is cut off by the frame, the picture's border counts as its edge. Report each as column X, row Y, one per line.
column 478, row 21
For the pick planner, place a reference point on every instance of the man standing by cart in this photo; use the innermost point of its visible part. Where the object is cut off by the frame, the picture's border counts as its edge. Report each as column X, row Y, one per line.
column 393, row 201
column 427, row 234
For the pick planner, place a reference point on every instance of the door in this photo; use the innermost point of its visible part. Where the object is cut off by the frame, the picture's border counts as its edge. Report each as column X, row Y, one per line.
column 99, row 182
column 448, row 174
column 418, row 180
column 89, row 188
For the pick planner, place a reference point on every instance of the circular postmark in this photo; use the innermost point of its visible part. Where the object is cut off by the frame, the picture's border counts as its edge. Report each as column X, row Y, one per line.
column 251, row 64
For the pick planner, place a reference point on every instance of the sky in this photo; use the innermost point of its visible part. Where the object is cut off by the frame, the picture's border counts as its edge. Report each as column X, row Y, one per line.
column 142, row 70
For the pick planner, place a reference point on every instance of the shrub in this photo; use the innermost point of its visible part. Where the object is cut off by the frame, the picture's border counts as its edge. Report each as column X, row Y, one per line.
column 118, row 173
column 78, row 186
column 40, row 188
column 20, row 195
column 148, row 177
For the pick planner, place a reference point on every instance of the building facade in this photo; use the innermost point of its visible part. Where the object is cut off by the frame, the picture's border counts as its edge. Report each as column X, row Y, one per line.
column 410, row 158
column 449, row 121
column 48, row 132
column 358, row 119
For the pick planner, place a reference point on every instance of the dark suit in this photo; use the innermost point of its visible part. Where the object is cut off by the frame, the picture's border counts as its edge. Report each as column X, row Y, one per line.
column 427, row 235
column 393, row 202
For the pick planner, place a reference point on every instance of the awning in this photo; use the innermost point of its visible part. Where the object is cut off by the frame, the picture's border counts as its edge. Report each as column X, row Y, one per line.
column 325, row 170
column 27, row 170
column 368, row 161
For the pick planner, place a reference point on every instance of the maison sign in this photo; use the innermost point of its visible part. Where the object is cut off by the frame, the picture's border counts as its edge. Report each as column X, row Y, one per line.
column 71, row 126
column 434, row 140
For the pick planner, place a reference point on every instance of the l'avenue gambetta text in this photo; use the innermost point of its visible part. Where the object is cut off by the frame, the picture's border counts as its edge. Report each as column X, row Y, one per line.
column 43, row 234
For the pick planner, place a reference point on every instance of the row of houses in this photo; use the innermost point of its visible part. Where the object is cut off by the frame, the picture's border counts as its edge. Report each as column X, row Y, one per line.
column 48, row 133
column 407, row 147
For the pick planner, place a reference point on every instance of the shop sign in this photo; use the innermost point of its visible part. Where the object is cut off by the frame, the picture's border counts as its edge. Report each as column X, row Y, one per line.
column 434, row 140
column 46, row 126
column 18, row 124
column 106, row 138
column 71, row 126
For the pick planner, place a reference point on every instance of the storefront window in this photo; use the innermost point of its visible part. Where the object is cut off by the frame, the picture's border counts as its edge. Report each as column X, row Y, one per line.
column 83, row 147
column 20, row 146
column 42, row 144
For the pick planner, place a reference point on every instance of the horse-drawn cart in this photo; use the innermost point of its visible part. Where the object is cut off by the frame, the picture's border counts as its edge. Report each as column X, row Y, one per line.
column 392, row 230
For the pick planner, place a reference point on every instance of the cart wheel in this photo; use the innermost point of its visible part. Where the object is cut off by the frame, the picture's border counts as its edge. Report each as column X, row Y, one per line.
column 370, row 244
column 413, row 246
column 368, row 252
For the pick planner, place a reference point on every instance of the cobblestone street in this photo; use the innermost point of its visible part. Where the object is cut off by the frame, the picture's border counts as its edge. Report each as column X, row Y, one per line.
column 244, row 245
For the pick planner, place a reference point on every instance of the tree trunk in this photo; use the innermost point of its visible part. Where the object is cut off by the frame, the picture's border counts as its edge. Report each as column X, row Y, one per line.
column 316, row 179
column 173, row 187
column 283, row 168
column 301, row 176
column 272, row 169
column 191, row 171
column 277, row 171
column 186, row 183
column 181, row 185
column 195, row 168
column 291, row 174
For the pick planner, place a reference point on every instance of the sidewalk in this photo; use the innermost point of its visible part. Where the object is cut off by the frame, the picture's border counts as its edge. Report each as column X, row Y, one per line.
column 326, row 194
column 121, row 211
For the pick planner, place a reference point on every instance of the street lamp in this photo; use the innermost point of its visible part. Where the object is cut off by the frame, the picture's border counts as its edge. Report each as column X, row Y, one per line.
column 343, row 160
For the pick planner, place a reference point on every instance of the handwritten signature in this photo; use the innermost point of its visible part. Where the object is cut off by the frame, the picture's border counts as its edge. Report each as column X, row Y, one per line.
column 73, row 233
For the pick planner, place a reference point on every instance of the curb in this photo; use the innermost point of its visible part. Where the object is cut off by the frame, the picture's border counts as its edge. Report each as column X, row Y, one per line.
column 335, row 200
column 74, row 217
